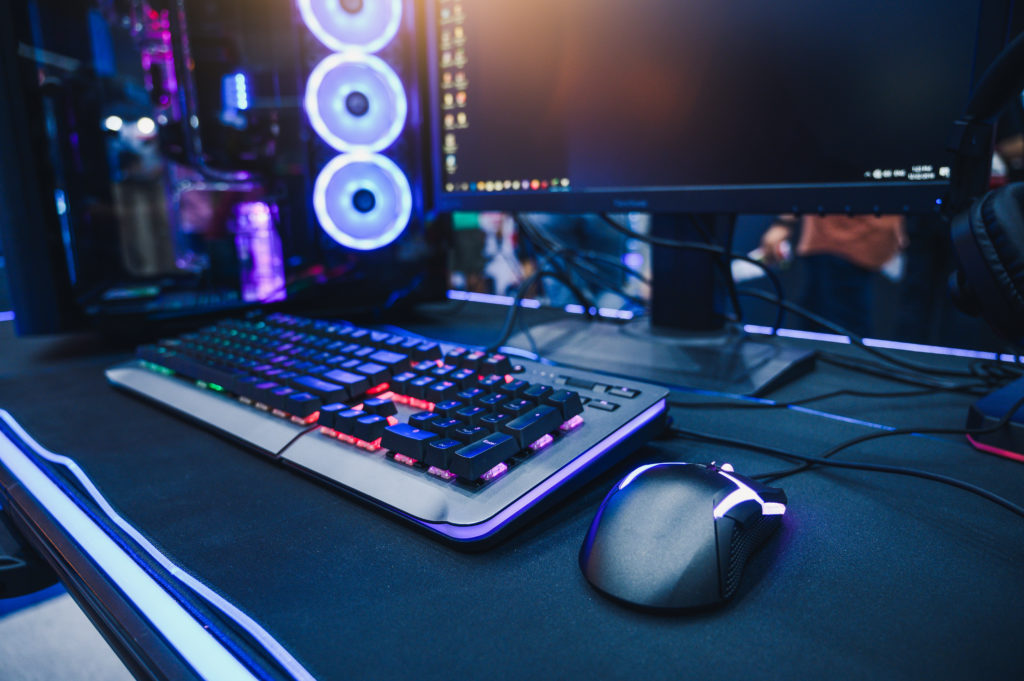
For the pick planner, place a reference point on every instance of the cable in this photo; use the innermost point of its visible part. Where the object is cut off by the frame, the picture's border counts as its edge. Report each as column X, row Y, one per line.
column 876, row 468
column 783, row 304
column 295, row 439
column 861, row 365
column 590, row 274
column 513, row 312
column 773, row 278
column 854, row 338
column 832, row 451
column 747, row 404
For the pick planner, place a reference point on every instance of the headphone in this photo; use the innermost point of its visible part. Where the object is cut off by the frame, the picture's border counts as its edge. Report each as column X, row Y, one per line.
column 988, row 236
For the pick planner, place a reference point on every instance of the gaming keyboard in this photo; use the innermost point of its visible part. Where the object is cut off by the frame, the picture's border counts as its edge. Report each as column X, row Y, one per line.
column 458, row 441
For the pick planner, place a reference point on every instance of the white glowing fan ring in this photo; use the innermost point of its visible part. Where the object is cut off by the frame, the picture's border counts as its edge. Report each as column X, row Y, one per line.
column 371, row 28
column 337, row 77
column 334, row 198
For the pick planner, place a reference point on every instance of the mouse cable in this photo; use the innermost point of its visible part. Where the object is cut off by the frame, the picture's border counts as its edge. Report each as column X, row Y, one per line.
column 852, row 465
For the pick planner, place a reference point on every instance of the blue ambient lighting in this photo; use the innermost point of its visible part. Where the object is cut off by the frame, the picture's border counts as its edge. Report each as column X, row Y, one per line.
column 7, row 316
column 368, row 30
column 340, row 76
column 275, row 649
column 196, row 645
column 342, row 180
column 241, row 92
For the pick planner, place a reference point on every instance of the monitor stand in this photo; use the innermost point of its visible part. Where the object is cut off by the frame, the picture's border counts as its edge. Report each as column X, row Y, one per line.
column 686, row 342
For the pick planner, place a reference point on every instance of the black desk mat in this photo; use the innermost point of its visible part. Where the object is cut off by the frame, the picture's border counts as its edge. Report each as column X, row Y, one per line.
column 871, row 576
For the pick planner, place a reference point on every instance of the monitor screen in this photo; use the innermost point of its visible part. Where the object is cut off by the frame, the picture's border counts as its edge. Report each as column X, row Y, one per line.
column 697, row 105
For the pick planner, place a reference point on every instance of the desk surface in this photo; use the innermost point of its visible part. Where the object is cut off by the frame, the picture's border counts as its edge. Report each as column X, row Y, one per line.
column 872, row 576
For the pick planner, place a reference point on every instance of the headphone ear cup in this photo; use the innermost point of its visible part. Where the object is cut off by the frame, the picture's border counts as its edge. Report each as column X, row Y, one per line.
column 989, row 244
column 963, row 296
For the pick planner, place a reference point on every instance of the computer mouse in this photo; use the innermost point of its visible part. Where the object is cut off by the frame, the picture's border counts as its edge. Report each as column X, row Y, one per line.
column 678, row 535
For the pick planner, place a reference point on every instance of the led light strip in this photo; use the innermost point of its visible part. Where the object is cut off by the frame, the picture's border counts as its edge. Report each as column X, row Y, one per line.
column 885, row 344
column 195, row 644
column 533, row 304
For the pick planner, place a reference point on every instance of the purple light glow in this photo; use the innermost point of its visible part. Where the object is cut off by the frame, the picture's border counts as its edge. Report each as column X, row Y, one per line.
column 542, row 442
column 260, row 254
column 7, row 316
column 515, row 509
column 444, row 475
column 572, row 424
column 495, row 472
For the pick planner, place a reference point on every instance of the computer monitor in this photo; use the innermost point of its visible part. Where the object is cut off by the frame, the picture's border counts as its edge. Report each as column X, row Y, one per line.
column 700, row 107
